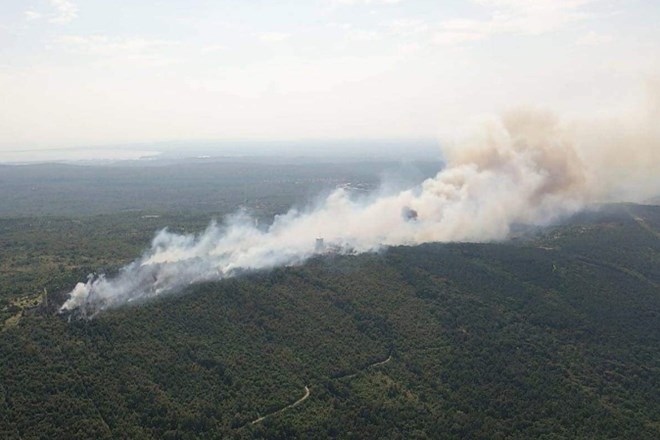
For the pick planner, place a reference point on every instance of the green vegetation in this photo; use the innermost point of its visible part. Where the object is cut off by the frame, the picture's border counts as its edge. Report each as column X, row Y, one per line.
column 555, row 335
column 213, row 186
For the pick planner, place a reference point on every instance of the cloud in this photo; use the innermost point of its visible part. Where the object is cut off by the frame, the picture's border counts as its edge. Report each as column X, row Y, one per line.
column 518, row 17
column 594, row 39
column 363, row 35
column 62, row 12
column 212, row 48
column 103, row 44
column 31, row 14
column 458, row 31
column 408, row 48
column 366, row 2
column 290, row 76
column 274, row 37
column 65, row 11
column 140, row 52
column 406, row 27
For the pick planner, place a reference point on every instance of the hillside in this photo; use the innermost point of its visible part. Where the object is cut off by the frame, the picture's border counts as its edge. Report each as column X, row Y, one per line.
column 554, row 334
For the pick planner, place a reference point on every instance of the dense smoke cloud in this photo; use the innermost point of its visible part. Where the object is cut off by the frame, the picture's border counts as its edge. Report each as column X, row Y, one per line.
column 526, row 167
column 622, row 154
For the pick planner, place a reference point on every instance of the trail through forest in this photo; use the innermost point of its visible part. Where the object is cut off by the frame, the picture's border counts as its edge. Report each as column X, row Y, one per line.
column 293, row 405
column 307, row 392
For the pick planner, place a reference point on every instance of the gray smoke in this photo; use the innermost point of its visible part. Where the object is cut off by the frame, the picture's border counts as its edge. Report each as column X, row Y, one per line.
column 527, row 167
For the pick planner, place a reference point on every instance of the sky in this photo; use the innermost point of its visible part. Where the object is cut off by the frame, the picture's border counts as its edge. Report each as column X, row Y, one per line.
column 75, row 73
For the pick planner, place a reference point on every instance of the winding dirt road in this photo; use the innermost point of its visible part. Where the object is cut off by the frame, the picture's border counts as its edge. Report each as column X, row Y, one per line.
column 307, row 392
column 293, row 405
column 389, row 358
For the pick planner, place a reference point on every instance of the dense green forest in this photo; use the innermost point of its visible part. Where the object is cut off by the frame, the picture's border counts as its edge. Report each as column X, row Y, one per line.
column 217, row 185
column 553, row 334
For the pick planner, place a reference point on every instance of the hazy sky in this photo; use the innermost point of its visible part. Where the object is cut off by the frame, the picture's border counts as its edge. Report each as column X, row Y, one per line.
column 81, row 72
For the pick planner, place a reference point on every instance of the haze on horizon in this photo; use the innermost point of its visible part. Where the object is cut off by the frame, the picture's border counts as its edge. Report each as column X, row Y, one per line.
column 78, row 73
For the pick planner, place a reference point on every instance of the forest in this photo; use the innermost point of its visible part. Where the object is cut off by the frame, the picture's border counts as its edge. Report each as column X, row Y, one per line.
column 552, row 334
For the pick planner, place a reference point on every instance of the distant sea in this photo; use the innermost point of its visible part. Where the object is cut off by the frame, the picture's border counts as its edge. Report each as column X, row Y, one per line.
column 74, row 155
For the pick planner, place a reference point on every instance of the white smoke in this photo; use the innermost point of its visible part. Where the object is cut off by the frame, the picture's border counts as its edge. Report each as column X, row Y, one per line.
column 524, row 168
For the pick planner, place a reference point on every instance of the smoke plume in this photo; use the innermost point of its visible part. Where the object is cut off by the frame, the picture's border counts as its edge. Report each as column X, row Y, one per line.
column 527, row 167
